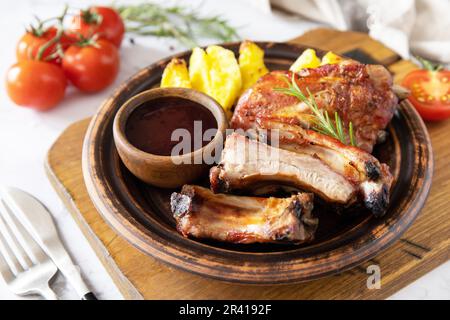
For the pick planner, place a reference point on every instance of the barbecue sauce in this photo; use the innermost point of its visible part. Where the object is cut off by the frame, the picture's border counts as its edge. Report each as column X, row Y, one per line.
column 150, row 126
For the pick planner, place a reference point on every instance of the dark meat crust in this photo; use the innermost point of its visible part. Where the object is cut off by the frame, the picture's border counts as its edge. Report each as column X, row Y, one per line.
column 200, row 213
column 361, row 94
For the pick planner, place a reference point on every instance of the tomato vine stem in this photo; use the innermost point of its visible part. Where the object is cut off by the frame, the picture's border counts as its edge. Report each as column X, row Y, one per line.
column 56, row 38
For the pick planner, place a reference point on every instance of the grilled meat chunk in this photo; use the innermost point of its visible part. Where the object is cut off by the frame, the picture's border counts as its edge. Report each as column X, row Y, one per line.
column 307, row 161
column 200, row 213
column 361, row 94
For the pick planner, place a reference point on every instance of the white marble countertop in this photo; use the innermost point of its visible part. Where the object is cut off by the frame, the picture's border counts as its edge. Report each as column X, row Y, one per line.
column 25, row 135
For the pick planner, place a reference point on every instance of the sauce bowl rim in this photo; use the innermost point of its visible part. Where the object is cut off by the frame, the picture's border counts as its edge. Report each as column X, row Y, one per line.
column 124, row 112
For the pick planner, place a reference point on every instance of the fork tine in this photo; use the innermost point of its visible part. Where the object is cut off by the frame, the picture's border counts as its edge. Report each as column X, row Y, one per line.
column 8, row 256
column 11, row 240
column 5, row 267
column 34, row 251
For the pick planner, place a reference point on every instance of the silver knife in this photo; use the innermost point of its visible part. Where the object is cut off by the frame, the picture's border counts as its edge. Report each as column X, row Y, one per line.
column 39, row 223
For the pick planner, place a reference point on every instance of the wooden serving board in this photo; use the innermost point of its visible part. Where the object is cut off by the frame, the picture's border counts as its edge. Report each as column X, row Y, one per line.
column 423, row 247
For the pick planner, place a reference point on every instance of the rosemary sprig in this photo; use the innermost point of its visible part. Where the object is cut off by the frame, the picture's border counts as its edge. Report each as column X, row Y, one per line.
column 322, row 121
column 350, row 133
column 177, row 22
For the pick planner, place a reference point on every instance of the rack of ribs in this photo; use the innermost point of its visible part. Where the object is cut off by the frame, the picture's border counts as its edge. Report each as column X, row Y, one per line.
column 361, row 94
column 199, row 213
column 306, row 160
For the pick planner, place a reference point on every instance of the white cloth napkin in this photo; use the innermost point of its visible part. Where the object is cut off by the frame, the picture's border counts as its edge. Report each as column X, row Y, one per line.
column 420, row 27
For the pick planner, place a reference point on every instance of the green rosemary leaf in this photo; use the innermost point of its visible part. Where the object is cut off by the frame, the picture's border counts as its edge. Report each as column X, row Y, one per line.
column 295, row 85
column 177, row 22
column 321, row 131
column 327, row 120
column 322, row 122
column 311, row 102
column 350, row 133
column 286, row 80
column 338, row 122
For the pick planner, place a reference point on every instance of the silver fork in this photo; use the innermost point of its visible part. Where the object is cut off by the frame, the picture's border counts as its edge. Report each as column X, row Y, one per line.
column 24, row 266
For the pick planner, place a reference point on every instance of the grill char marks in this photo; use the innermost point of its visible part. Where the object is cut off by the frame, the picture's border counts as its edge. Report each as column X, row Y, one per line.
column 372, row 170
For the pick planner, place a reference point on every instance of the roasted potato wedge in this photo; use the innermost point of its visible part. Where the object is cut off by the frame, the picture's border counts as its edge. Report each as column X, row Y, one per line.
column 176, row 75
column 216, row 73
column 199, row 68
column 251, row 64
column 330, row 58
column 308, row 59
column 225, row 76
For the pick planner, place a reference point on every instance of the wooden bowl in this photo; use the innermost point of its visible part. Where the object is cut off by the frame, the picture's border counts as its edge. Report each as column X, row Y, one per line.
column 141, row 213
column 166, row 171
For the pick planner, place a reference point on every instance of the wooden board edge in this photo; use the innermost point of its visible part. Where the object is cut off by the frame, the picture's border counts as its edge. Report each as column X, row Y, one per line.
column 125, row 287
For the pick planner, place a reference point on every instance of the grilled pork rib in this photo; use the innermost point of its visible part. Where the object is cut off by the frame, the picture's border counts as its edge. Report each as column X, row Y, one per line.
column 361, row 94
column 373, row 178
column 337, row 173
column 202, row 214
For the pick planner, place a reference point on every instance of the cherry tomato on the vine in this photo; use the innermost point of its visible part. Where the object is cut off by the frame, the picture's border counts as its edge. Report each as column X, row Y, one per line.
column 104, row 21
column 36, row 84
column 30, row 43
column 91, row 67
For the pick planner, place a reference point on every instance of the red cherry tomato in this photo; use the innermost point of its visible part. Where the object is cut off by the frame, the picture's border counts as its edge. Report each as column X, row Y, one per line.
column 104, row 21
column 430, row 93
column 30, row 43
column 36, row 84
column 92, row 67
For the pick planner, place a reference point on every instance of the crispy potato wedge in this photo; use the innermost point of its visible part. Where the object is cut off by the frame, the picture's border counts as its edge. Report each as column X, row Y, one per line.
column 225, row 76
column 199, row 68
column 214, row 72
column 308, row 59
column 330, row 58
column 251, row 64
column 176, row 75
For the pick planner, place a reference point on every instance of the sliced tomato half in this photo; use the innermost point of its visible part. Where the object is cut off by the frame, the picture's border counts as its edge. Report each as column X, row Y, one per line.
column 430, row 93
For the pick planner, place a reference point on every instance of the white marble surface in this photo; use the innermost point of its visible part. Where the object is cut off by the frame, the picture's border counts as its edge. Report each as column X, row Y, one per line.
column 25, row 135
